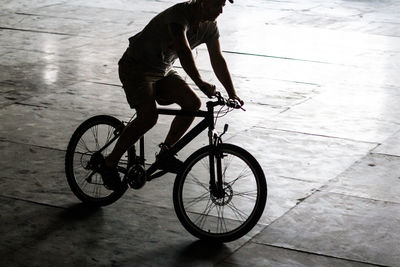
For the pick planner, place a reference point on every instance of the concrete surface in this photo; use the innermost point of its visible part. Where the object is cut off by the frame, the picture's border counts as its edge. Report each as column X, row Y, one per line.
column 321, row 84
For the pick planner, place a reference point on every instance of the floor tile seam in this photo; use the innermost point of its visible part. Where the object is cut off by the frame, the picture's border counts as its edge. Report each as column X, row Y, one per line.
column 317, row 254
column 385, row 154
column 57, row 108
column 55, row 17
column 102, row 83
column 310, row 96
column 54, row 108
column 282, row 108
column 319, row 135
column 236, row 75
column 285, row 109
column 25, row 13
column 322, row 190
column 300, row 179
column 80, row 203
column 39, row 31
column 357, row 66
column 58, row 2
column 29, row 105
column 239, row 53
column 32, row 202
column 78, row 6
column 4, row 140
column 279, row 57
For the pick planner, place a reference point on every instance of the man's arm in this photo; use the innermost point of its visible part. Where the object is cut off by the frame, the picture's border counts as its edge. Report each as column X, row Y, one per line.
column 220, row 68
column 182, row 48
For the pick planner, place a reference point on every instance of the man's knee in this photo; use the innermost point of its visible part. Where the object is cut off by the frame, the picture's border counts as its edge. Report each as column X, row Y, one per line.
column 148, row 120
column 192, row 104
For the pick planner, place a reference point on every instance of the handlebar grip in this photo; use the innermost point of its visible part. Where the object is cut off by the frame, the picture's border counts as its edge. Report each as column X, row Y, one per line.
column 233, row 103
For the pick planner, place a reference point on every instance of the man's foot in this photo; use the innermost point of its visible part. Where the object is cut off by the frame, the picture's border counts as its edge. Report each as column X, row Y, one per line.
column 110, row 177
column 168, row 162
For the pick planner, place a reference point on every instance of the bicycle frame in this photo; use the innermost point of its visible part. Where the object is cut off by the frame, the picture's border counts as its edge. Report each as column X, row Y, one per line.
column 207, row 122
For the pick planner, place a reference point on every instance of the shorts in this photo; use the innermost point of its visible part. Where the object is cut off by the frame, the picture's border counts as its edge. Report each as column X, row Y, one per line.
column 138, row 82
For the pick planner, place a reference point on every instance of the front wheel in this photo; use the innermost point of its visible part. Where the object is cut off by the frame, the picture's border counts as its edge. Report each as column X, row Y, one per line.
column 227, row 216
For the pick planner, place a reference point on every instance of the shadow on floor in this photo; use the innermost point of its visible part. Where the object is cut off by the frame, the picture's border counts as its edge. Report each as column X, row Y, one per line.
column 79, row 212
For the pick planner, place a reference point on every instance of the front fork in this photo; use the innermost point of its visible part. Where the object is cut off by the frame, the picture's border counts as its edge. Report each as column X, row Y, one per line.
column 215, row 159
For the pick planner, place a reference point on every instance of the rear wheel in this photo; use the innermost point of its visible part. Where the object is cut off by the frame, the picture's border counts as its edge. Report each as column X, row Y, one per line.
column 225, row 216
column 84, row 146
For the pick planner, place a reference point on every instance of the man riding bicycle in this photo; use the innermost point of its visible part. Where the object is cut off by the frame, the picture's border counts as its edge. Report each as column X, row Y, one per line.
column 147, row 76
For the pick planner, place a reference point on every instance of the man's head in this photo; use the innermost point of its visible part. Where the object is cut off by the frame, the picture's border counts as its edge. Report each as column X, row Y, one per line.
column 211, row 9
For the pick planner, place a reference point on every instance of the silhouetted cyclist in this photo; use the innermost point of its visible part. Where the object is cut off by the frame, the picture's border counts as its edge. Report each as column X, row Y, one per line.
column 147, row 76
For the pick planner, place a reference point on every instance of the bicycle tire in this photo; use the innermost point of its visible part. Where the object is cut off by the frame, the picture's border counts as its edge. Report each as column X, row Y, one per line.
column 93, row 192
column 238, row 166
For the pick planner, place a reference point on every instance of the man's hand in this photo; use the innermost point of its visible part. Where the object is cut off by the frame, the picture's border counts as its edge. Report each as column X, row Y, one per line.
column 208, row 89
column 235, row 97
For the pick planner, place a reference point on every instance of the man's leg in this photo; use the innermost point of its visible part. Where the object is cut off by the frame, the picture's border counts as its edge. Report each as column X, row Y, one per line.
column 172, row 89
column 146, row 118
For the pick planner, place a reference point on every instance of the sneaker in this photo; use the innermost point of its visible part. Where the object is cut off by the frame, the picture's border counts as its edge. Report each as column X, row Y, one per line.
column 110, row 177
column 168, row 162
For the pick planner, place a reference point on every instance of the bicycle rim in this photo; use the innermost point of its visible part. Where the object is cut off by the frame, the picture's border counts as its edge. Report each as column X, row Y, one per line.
column 231, row 216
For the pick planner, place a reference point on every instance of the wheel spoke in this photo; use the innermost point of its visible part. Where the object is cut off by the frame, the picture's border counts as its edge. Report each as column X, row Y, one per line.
column 195, row 200
column 83, row 184
column 95, row 132
column 252, row 195
column 83, row 145
column 201, row 219
column 227, row 163
column 240, row 215
column 246, row 172
column 110, row 134
column 221, row 224
column 197, row 181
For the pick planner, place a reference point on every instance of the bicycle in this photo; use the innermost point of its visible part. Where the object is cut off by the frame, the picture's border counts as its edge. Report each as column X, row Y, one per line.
column 219, row 194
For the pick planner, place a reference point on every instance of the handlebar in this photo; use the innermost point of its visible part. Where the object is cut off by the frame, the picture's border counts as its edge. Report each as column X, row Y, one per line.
column 232, row 103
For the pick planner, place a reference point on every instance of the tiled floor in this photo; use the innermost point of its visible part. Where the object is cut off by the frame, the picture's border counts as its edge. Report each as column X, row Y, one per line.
column 321, row 86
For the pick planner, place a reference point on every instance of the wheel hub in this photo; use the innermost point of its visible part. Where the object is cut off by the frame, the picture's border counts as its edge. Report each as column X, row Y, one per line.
column 94, row 162
column 225, row 196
